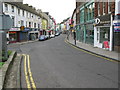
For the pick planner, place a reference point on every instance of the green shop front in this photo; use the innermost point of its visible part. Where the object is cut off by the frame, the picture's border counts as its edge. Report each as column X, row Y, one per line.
column 85, row 30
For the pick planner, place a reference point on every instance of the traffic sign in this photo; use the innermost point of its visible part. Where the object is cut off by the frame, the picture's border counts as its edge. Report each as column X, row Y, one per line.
column 6, row 22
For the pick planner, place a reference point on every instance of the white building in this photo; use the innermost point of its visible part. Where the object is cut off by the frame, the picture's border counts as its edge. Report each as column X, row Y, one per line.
column 22, row 15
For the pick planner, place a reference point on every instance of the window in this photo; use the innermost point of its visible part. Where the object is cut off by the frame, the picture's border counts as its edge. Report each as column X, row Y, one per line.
column 29, row 24
column 26, row 23
column 18, row 11
column 26, row 14
column 12, row 7
column 30, row 15
column 38, row 25
column 93, row 8
column 13, row 18
column 22, row 23
column 109, row 7
column 103, row 8
column 98, row 9
column 23, row 13
column 82, row 16
column 6, row 7
column 34, row 25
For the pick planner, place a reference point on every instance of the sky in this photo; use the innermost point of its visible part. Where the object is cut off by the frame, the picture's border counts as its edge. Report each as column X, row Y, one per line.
column 59, row 9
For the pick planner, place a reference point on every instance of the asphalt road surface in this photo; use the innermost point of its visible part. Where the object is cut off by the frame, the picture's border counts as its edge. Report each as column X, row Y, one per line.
column 55, row 64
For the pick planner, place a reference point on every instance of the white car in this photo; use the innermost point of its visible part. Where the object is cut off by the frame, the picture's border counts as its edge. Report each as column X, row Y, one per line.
column 52, row 35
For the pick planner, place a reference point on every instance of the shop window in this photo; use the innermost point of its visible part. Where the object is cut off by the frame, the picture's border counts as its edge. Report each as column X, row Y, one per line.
column 104, row 34
column 13, row 36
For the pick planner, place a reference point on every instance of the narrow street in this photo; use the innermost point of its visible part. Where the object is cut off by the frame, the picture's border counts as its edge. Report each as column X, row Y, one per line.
column 55, row 64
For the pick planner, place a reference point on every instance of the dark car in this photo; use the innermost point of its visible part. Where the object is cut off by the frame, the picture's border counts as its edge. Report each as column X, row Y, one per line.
column 42, row 38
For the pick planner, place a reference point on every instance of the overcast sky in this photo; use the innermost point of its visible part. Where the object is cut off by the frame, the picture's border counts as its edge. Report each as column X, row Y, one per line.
column 59, row 9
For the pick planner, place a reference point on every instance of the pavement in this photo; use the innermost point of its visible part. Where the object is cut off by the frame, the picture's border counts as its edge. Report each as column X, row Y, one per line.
column 30, row 41
column 103, row 52
column 5, row 68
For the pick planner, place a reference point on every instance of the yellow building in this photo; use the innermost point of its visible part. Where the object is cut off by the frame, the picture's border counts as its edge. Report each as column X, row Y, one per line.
column 44, row 24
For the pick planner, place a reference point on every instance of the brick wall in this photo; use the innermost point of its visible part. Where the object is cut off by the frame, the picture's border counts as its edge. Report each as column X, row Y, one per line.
column 112, row 6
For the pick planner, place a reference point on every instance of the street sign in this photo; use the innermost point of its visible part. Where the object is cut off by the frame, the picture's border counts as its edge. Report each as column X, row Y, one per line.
column 6, row 22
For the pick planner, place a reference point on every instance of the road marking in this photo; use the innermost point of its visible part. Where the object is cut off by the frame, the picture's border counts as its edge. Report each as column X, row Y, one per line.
column 92, row 53
column 26, row 74
column 30, row 74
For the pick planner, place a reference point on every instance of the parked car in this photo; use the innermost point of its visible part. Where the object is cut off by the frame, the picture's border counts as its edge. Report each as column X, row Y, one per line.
column 57, row 34
column 47, row 37
column 52, row 35
column 42, row 38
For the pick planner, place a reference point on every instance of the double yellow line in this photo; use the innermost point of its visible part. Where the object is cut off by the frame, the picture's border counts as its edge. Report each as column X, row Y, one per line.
column 28, row 74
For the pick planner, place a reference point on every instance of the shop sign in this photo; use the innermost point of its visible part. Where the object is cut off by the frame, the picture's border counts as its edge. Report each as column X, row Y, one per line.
column 14, row 29
column 12, row 32
column 26, row 30
column 103, row 20
column 22, row 28
column 116, row 25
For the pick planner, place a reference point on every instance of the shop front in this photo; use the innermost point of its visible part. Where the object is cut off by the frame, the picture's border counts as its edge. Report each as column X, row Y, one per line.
column 24, row 34
column 102, row 32
column 90, row 34
column 34, row 34
column 13, row 35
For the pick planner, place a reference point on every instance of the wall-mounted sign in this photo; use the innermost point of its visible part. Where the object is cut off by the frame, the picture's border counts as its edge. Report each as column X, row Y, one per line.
column 14, row 29
column 12, row 32
column 97, row 21
column 104, row 20
column 116, row 25
column 22, row 28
